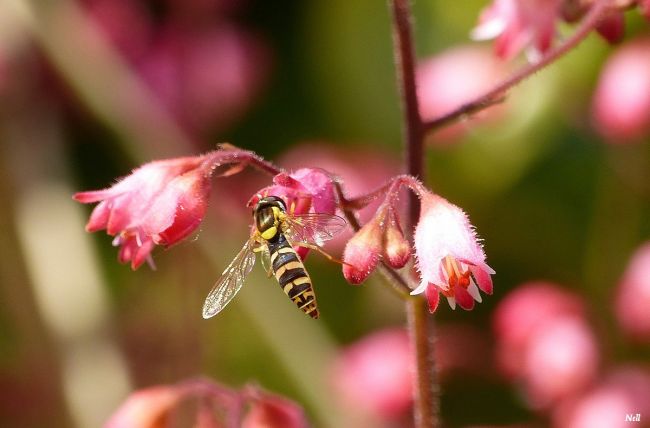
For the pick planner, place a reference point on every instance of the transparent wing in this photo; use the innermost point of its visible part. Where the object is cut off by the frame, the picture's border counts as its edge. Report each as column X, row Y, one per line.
column 230, row 282
column 313, row 228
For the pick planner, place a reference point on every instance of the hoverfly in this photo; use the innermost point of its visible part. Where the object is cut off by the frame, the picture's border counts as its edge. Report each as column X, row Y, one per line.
column 275, row 234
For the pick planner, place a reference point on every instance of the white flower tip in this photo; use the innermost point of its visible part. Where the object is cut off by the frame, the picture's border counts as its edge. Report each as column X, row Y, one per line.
column 452, row 302
column 421, row 288
column 473, row 291
column 488, row 30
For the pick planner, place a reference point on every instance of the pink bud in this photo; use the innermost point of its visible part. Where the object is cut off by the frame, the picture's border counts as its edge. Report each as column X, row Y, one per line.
column 161, row 202
column 374, row 374
column 363, row 251
column 612, row 27
column 621, row 105
column 644, row 8
column 450, row 258
column 633, row 296
column 271, row 411
column 397, row 250
column 147, row 408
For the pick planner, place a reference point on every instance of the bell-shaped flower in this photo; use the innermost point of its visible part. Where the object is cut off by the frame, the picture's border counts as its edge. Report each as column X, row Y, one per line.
column 450, row 258
column 146, row 408
column 159, row 203
column 518, row 25
column 397, row 249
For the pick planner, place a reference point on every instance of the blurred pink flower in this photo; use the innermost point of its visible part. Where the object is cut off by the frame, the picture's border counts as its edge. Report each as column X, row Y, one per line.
column 450, row 258
column 206, row 77
column 146, row 408
column 524, row 311
column 633, row 296
column 126, row 24
column 374, row 374
column 454, row 77
column 561, row 361
column 545, row 343
column 621, row 104
column 624, row 393
column 272, row 411
column 644, row 7
column 519, row 24
column 159, row 203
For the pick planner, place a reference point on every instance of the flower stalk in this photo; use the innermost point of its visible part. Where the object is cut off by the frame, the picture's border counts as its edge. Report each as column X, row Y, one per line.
column 426, row 398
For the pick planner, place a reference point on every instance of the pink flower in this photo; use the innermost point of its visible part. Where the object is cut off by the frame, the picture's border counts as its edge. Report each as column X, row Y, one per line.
column 633, row 296
column 363, row 252
column 561, row 360
column 305, row 190
column 450, row 79
column 524, row 311
column 271, row 411
column 450, row 258
column 624, row 392
column 374, row 374
column 159, row 203
column 621, row 105
column 147, row 408
column 519, row 24
column 544, row 342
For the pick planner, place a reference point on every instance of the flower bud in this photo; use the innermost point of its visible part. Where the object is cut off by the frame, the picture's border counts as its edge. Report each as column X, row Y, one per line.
column 146, row 408
column 363, row 251
column 271, row 411
column 397, row 250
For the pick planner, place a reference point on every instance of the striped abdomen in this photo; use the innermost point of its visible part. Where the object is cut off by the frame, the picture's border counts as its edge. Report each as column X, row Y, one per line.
column 291, row 275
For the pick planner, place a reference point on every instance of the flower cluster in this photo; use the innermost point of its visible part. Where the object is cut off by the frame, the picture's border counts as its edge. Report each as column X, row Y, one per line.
column 216, row 406
column 163, row 202
column 530, row 25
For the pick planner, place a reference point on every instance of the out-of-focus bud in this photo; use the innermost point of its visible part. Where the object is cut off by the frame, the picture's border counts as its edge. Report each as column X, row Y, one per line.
column 374, row 374
column 518, row 25
column 561, row 361
column 522, row 312
column 363, row 251
column 644, row 8
column 612, row 27
column 454, row 77
column 397, row 250
column 450, row 258
column 620, row 401
column 147, row 408
column 271, row 411
column 621, row 105
column 633, row 296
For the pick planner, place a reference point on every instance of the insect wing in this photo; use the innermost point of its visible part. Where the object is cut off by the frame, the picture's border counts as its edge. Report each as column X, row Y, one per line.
column 230, row 282
column 313, row 228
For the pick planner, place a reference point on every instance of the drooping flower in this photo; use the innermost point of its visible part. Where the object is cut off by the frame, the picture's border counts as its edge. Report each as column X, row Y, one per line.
column 633, row 296
column 159, row 203
column 621, row 104
column 450, row 258
column 518, row 25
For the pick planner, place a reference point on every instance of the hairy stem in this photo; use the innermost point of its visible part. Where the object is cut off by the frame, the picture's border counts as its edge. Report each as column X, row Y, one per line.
column 426, row 397
column 497, row 94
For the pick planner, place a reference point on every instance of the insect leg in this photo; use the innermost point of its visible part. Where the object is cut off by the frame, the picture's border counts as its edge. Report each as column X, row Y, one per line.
column 320, row 250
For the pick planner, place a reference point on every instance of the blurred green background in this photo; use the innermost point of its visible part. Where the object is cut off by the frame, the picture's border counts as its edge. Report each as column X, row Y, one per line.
column 78, row 331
